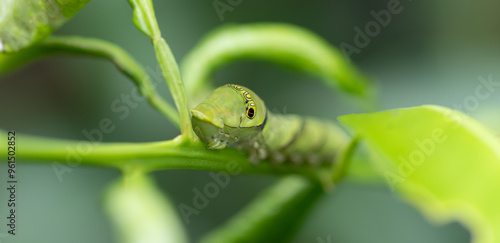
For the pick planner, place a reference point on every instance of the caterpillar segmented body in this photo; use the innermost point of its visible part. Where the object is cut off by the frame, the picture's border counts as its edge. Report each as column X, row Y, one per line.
column 235, row 116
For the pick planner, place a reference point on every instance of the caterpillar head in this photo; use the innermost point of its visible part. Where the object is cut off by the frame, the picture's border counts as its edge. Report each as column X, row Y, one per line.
column 231, row 115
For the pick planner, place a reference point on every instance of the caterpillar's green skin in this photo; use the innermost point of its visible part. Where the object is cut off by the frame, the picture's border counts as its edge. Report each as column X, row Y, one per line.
column 235, row 116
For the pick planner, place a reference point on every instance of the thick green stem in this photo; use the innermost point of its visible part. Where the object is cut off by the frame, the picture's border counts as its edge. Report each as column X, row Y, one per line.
column 172, row 154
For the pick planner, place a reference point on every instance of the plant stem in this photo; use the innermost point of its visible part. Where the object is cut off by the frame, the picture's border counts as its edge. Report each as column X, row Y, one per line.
column 340, row 171
column 274, row 216
column 172, row 75
column 172, row 154
column 98, row 48
column 145, row 20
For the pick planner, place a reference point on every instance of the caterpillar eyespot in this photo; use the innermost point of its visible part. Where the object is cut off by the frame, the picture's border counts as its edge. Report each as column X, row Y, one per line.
column 250, row 113
column 263, row 134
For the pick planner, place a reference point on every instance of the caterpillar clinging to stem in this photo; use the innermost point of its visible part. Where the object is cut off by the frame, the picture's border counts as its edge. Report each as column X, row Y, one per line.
column 235, row 116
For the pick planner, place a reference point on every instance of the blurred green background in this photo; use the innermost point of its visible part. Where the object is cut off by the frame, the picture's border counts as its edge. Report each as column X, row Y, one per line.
column 431, row 53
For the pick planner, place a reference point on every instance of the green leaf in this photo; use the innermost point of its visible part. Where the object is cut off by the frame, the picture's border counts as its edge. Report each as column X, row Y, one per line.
column 24, row 22
column 273, row 216
column 282, row 44
column 441, row 161
column 141, row 213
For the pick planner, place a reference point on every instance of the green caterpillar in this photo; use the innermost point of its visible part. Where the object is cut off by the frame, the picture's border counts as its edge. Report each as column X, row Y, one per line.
column 235, row 116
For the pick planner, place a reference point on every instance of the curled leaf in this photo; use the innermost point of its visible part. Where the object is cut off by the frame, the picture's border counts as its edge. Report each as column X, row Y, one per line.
column 283, row 44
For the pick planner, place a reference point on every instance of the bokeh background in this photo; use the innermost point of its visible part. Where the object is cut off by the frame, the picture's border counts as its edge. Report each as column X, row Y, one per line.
column 431, row 53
